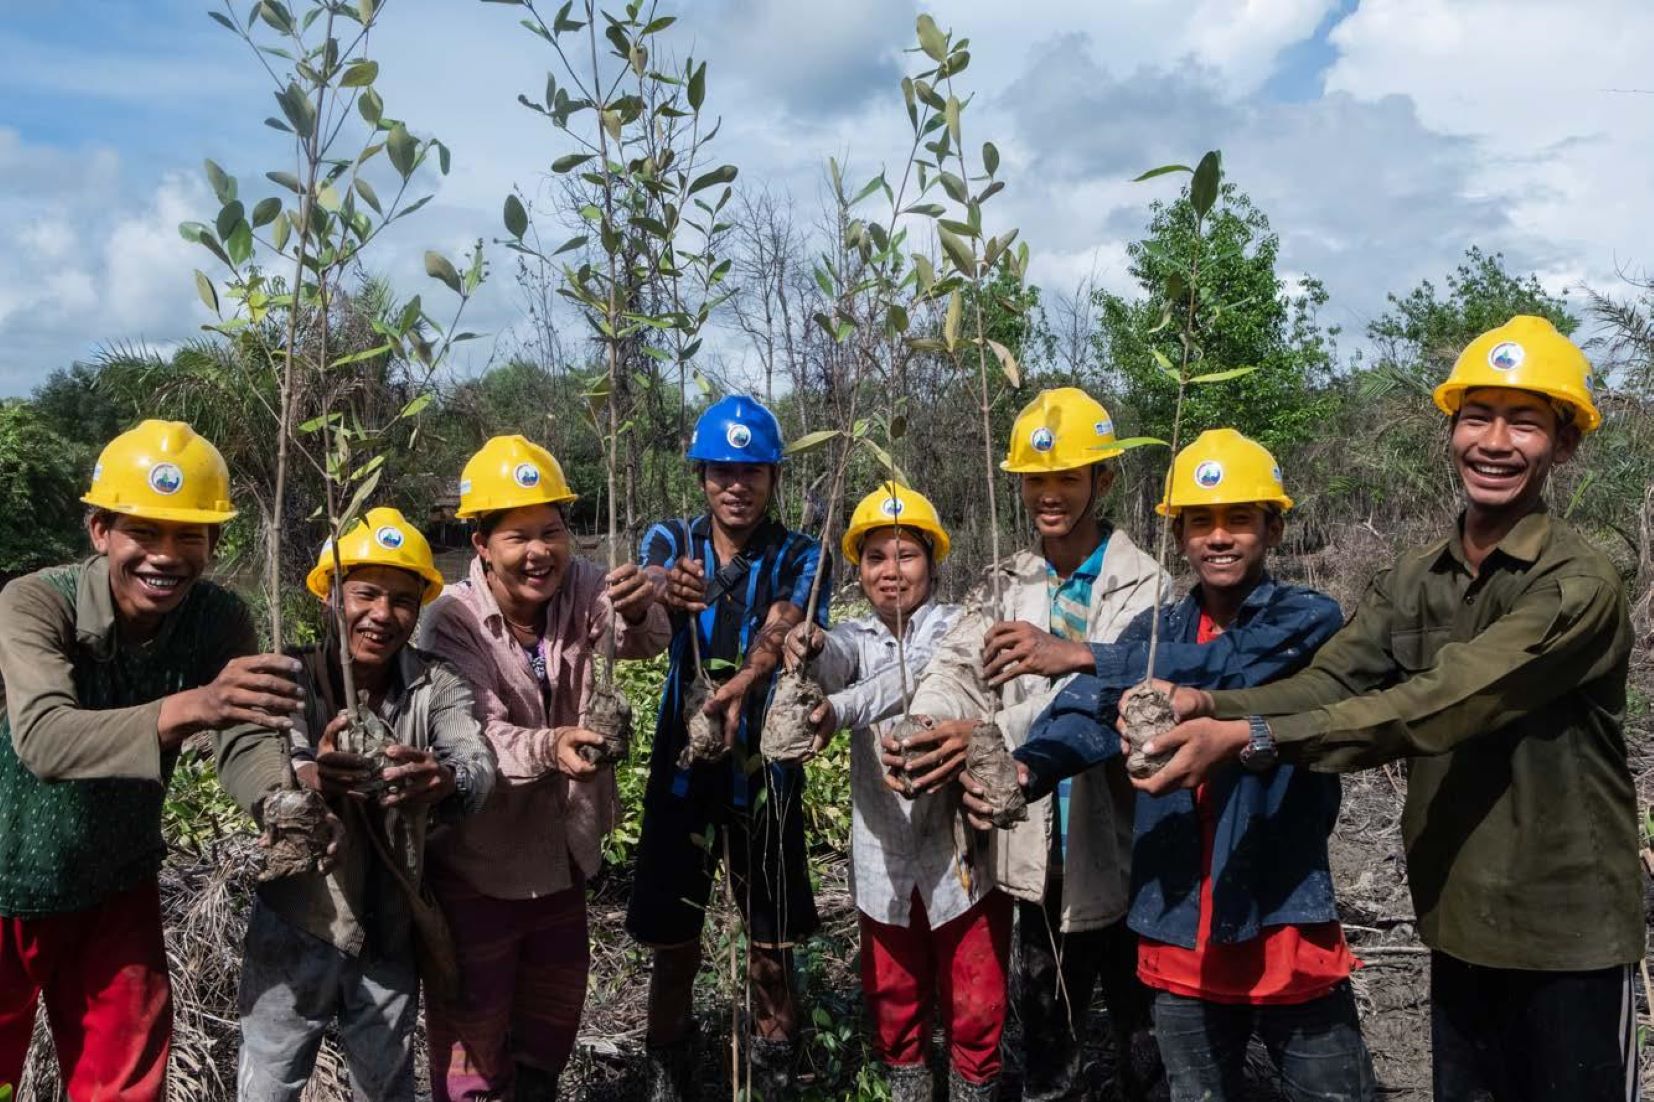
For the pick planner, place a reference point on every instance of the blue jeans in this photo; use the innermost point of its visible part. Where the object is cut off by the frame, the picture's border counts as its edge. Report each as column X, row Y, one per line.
column 1316, row 1047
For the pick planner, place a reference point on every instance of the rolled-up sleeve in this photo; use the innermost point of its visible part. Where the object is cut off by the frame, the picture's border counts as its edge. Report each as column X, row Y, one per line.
column 457, row 739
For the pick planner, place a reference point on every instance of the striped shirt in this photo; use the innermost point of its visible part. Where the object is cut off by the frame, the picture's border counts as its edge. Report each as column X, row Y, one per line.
column 1070, row 608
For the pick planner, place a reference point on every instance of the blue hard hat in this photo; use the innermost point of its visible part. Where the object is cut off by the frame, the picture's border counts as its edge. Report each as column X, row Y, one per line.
column 736, row 430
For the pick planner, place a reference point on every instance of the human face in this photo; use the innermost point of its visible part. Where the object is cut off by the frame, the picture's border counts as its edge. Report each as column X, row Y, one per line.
column 1226, row 545
column 152, row 563
column 1060, row 500
column 738, row 494
column 895, row 572
column 527, row 554
column 1504, row 444
column 381, row 607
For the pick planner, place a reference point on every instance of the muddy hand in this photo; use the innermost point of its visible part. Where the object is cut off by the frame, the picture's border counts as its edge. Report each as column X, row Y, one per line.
column 631, row 592
column 1012, row 648
column 978, row 811
column 725, row 705
column 825, row 721
column 686, row 586
column 338, row 773
column 1197, row 747
column 803, row 643
column 565, row 752
column 415, row 777
column 935, row 755
column 258, row 688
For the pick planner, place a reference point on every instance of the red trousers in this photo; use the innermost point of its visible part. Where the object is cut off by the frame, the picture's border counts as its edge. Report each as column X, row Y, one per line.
column 908, row 972
column 108, row 1001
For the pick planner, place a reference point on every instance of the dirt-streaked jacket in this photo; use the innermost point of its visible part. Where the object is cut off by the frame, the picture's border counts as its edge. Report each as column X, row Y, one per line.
column 1096, row 879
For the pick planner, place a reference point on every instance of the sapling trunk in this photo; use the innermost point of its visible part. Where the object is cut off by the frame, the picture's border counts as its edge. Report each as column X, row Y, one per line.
column 1148, row 712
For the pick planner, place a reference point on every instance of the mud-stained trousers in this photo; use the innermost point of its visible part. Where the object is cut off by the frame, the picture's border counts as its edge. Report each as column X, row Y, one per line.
column 1055, row 976
column 911, row 974
column 293, row 985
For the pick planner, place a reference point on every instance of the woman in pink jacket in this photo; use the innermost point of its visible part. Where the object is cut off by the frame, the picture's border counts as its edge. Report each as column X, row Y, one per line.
column 523, row 630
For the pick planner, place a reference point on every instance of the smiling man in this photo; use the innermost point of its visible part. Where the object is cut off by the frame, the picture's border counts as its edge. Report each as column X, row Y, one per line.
column 340, row 946
column 739, row 579
column 108, row 665
column 1082, row 581
column 1496, row 660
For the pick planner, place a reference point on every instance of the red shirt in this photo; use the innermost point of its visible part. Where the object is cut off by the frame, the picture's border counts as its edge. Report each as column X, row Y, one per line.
column 1282, row 965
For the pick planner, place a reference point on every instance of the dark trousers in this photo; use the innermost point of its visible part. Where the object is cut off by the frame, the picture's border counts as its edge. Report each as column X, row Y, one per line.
column 1316, row 1047
column 1509, row 1035
column 1055, row 977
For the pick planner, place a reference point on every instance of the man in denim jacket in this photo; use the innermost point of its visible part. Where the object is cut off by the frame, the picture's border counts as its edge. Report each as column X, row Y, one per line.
column 1231, row 893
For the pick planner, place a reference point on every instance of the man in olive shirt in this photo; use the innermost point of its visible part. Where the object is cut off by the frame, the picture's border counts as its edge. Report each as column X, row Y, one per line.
column 106, row 667
column 1496, row 660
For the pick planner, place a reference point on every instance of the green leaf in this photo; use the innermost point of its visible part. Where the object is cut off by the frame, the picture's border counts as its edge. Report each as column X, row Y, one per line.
column 265, row 211
column 951, row 114
column 208, row 293
column 1007, row 363
column 365, row 10
column 950, row 323
column 990, row 157
column 1165, row 363
column 363, row 354
column 438, row 266
column 571, row 161
column 571, row 244
column 1223, row 376
column 958, row 252
column 810, row 441
column 363, row 492
column 418, row 405
column 230, row 217
column 327, row 197
column 1161, row 171
column 360, row 74
column 931, row 39
column 697, row 87
column 298, row 108
column 1203, row 189
column 279, row 235
column 369, row 196
column 223, row 186
column 723, row 174
column 401, row 148
column 884, row 458
column 896, row 320
column 516, row 217
column 371, row 107
column 239, row 244
column 955, row 187
column 1131, row 442
column 286, row 180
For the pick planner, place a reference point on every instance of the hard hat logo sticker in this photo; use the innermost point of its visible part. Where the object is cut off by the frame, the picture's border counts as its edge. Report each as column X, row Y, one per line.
column 1506, row 356
column 892, row 507
column 527, row 475
column 1275, row 473
column 739, row 436
column 166, row 478
column 1209, row 474
column 1042, row 439
column 388, row 537
column 97, row 472
column 1103, row 428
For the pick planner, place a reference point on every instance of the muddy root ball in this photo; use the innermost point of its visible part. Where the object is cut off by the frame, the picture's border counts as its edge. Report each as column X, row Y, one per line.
column 296, row 834
column 706, row 733
column 609, row 714
column 989, row 761
column 788, row 732
column 1147, row 713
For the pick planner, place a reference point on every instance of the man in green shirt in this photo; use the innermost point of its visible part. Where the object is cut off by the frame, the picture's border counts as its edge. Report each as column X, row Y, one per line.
column 1496, row 660
column 106, row 667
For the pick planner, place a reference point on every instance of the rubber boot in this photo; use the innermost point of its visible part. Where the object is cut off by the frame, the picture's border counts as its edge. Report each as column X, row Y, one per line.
column 773, row 1063
column 961, row 1089
column 910, row 1082
column 672, row 1070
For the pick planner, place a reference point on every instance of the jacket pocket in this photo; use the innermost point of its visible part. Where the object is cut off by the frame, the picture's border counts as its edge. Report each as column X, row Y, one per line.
column 1415, row 649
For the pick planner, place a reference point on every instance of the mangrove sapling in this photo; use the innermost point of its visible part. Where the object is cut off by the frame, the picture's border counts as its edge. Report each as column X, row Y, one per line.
column 328, row 103
column 637, row 162
column 1146, row 710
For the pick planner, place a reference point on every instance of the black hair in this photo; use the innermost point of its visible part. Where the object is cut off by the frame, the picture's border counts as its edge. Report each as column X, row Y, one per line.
column 486, row 523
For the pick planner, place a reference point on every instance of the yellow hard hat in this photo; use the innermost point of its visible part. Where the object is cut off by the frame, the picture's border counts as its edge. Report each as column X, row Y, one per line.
column 509, row 472
column 1222, row 467
column 1059, row 430
column 381, row 538
column 163, row 471
column 890, row 505
column 1525, row 353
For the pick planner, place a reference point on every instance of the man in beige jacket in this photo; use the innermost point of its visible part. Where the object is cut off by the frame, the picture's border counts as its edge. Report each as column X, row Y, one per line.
column 1067, row 865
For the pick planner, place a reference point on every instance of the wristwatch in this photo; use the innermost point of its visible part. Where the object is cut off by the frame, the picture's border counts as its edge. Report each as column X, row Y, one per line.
column 1259, row 755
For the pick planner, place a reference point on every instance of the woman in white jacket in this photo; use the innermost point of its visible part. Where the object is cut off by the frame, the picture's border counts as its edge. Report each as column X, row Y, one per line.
column 934, row 935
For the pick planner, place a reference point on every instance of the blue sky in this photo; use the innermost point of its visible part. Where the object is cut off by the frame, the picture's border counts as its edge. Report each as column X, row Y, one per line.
column 1382, row 137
